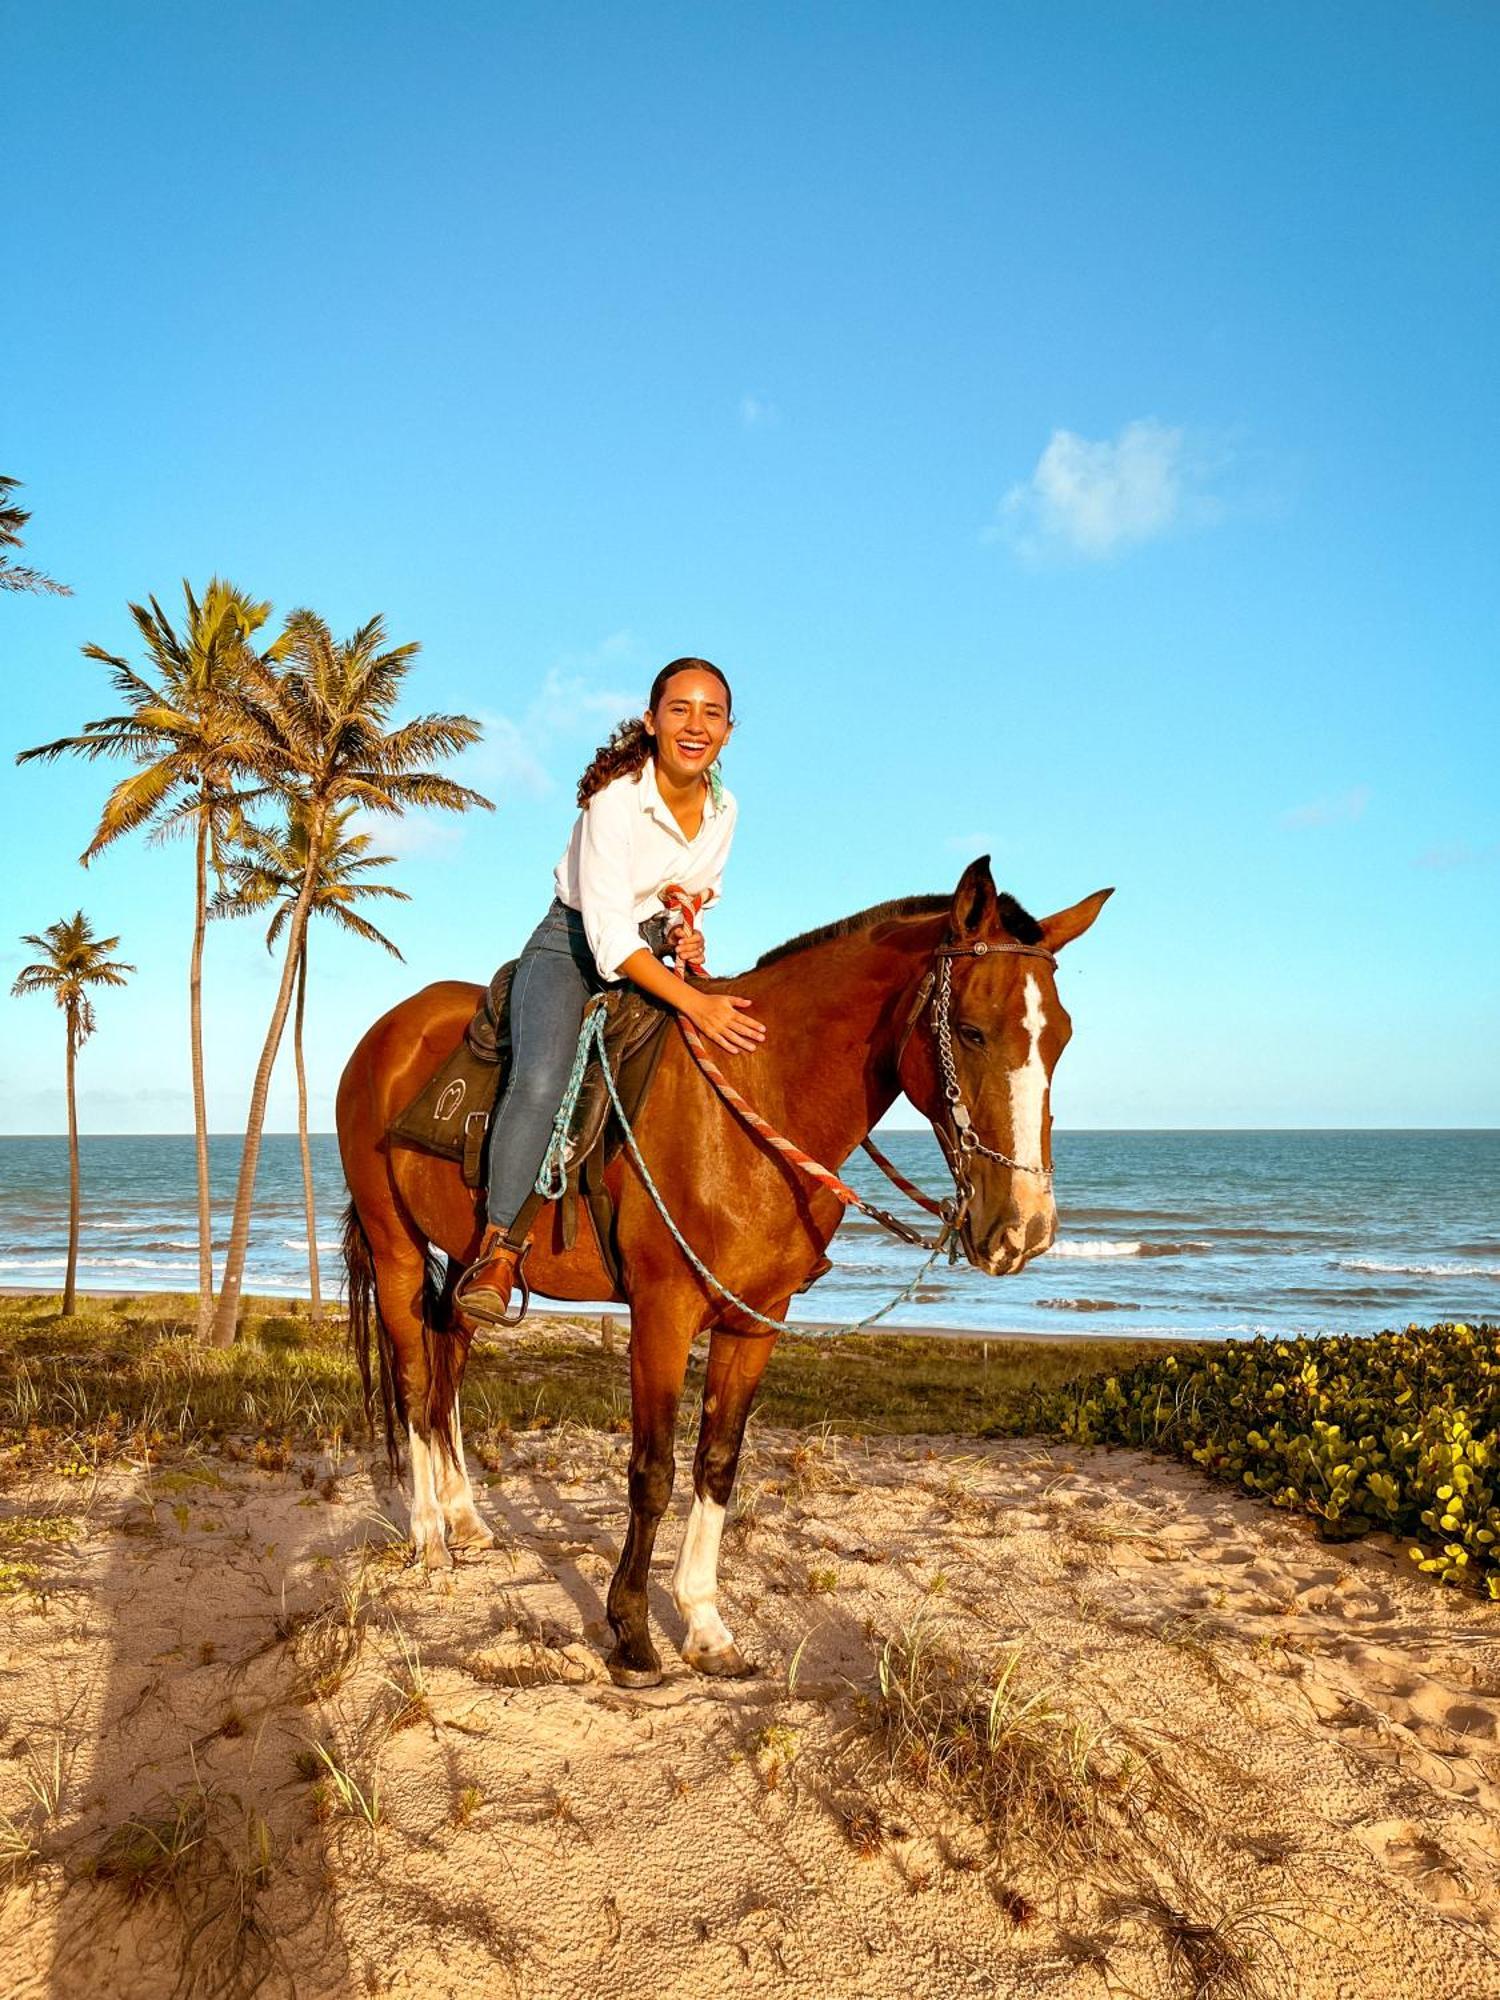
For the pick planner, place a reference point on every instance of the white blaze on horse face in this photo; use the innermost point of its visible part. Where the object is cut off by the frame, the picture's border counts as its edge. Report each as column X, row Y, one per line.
column 1028, row 1084
column 695, row 1581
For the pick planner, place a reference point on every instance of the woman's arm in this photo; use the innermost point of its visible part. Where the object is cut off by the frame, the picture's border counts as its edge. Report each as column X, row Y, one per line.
column 723, row 1017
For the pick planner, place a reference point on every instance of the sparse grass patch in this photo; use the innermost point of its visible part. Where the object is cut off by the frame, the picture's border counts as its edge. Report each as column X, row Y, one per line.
column 1031, row 1774
column 19, row 1851
column 1237, row 1956
column 199, row 1855
column 350, row 1791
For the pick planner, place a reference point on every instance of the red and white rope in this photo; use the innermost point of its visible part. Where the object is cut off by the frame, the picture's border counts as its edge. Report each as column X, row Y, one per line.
column 687, row 907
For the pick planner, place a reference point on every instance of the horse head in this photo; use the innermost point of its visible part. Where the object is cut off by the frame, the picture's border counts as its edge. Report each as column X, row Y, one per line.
column 983, row 1072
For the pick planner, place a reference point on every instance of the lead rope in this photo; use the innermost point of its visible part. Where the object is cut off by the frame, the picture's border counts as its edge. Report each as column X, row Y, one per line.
column 591, row 1043
column 687, row 907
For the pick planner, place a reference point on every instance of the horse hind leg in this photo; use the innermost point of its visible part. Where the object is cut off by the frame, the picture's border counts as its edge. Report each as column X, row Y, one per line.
column 448, row 1357
column 402, row 1293
column 735, row 1366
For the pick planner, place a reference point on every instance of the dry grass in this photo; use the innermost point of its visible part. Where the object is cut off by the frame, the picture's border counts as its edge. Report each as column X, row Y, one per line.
column 1031, row 1774
column 1237, row 1956
column 202, row 1861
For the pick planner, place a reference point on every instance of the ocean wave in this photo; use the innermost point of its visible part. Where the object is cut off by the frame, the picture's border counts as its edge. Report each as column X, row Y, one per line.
column 293, row 1243
column 1416, row 1270
column 1087, row 1305
column 98, row 1264
column 1071, row 1248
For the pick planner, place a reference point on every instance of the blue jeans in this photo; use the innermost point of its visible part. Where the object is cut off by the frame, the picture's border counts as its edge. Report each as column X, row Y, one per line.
column 554, row 979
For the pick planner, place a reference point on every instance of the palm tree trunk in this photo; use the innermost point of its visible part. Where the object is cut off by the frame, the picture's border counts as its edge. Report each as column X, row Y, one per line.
column 200, row 1106
column 226, row 1316
column 307, row 1173
column 70, row 1282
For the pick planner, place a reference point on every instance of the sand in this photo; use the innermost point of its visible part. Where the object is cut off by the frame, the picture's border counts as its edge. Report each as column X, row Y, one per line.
column 1311, row 1735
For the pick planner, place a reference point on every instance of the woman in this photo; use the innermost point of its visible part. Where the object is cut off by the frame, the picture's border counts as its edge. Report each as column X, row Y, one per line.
column 654, row 813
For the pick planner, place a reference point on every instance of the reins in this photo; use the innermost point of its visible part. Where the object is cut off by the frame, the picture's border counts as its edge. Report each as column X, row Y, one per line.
column 958, row 1150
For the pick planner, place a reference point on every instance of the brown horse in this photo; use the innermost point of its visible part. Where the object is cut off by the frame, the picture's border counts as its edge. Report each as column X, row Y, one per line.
column 850, row 1030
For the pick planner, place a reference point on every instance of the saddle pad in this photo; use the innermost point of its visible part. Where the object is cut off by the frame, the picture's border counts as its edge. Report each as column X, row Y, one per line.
column 450, row 1115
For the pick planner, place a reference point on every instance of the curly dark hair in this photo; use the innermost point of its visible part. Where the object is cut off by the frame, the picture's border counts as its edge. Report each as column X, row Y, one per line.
column 630, row 745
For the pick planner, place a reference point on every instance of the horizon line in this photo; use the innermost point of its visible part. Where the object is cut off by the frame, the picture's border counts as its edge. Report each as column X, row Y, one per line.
column 891, row 1131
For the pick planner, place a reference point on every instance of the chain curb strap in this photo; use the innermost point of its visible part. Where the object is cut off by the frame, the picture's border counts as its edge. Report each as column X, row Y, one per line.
column 966, row 1142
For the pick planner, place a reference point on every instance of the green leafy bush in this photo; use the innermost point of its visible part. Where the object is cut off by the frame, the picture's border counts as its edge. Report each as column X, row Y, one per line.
column 1400, row 1431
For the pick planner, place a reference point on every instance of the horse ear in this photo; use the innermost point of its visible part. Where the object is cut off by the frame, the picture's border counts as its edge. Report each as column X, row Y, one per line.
column 1068, row 924
column 976, row 908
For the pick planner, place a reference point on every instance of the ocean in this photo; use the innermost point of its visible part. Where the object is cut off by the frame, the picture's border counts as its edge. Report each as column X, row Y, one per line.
column 1217, row 1234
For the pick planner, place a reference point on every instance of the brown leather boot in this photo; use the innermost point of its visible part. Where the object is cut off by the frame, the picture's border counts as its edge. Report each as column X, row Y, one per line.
column 482, row 1294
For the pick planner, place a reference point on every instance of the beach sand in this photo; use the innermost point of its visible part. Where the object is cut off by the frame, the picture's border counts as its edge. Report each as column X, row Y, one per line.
column 1281, row 1752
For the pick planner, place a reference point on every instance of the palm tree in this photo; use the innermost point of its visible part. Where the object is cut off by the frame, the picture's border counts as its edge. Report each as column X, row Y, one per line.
column 323, row 716
column 14, row 575
column 74, row 961
column 194, row 751
column 267, row 873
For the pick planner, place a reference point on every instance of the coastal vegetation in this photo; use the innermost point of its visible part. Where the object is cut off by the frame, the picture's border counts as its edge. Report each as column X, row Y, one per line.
column 14, row 575
column 1399, row 1433
column 218, row 733
column 267, row 873
column 72, row 961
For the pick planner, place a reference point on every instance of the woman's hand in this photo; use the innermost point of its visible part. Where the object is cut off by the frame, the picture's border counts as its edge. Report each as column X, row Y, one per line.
column 687, row 946
column 724, row 1018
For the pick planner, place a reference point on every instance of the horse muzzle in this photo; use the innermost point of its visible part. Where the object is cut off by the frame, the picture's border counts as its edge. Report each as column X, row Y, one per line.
column 1003, row 1250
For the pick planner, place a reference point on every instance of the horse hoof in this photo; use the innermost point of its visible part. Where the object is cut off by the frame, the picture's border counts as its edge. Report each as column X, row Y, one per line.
column 728, row 1664
column 434, row 1554
column 634, row 1677
column 474, row 1540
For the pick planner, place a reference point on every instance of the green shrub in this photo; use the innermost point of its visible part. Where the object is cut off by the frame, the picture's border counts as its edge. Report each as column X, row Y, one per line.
column 1400, row 1431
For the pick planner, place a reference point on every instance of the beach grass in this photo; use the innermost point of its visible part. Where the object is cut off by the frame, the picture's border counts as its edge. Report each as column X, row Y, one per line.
column 128, row 1372
column 1398, row 1432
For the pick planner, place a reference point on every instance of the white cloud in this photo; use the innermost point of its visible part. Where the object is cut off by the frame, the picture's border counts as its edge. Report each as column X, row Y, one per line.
column 1461, row 854
column 1331, row 811
column 758, row 412
column 569, row 708
column 413, row 833
column 1094, row 497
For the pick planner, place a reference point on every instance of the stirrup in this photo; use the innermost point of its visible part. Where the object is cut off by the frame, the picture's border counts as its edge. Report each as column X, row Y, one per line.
column 519, row 1281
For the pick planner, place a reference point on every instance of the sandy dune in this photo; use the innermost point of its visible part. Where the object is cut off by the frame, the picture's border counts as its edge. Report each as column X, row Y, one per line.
column 1309, row 1736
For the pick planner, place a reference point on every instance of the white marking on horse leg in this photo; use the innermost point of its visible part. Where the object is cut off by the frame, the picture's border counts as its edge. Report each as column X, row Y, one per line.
column 455, row 1495
column 1028, row 1083
column 695, row 1582
column 427, row 1536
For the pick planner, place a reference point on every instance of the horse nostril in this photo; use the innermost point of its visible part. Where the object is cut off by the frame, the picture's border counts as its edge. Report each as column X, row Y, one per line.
column 1038, row 1233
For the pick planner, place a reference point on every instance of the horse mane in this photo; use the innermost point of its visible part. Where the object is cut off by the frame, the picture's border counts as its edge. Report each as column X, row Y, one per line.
column 1020, row 923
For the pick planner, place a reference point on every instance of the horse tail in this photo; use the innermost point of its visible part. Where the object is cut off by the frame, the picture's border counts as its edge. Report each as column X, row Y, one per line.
column 366, row 1330
column 446, row 1340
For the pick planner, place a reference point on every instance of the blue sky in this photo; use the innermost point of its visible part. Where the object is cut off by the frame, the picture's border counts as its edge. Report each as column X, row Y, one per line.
column 1074, row 427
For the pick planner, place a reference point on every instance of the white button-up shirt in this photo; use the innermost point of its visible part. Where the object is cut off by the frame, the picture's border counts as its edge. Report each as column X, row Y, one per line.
column 625, row 849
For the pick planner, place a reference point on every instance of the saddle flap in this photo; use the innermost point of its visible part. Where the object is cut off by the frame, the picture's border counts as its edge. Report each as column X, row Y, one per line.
column 450, row 1114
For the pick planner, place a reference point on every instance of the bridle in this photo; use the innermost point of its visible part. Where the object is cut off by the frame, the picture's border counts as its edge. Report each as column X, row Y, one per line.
column 961, row 1144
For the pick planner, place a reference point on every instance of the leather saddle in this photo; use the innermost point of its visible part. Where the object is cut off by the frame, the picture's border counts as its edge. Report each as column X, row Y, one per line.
column 451, row 1114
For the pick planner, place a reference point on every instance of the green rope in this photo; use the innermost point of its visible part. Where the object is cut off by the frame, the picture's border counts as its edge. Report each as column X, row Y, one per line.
column 552, row 1179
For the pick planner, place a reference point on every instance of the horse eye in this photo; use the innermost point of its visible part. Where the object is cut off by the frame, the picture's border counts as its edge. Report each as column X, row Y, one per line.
column 973, row 1036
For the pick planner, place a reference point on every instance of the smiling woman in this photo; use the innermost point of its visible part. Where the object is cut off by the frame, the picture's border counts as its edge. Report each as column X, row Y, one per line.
column 654, row 814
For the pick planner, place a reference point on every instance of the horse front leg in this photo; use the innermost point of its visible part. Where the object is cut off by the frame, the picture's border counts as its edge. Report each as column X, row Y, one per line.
column 736, row 1363
column 659, row 1345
